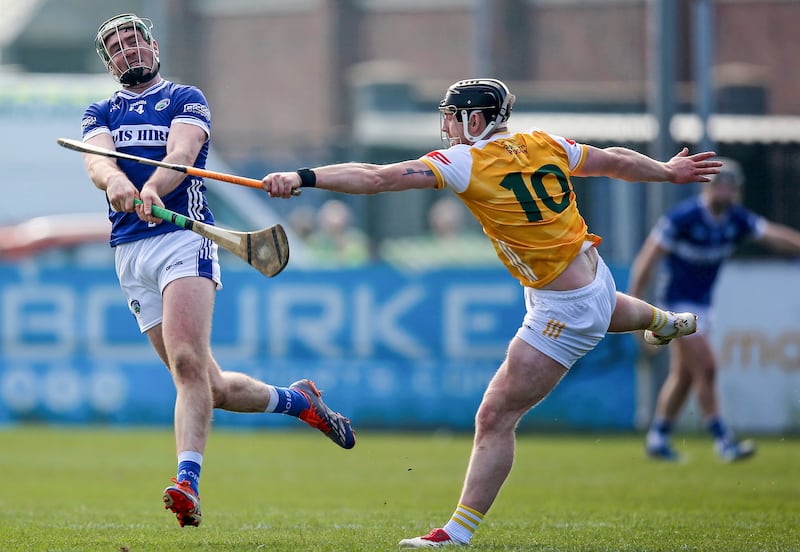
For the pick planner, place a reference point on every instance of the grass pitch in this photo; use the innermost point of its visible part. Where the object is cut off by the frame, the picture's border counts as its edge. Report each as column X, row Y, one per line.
column 100, row 489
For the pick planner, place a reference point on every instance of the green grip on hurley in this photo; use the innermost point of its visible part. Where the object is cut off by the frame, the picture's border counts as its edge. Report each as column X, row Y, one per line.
column 170, row 216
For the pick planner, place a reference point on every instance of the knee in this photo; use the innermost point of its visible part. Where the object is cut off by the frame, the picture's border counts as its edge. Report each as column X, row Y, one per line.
column 696, row 370
column 493, row 417
column 187, row 365
column 219, row 389
column 708, row 372
column 681, row 377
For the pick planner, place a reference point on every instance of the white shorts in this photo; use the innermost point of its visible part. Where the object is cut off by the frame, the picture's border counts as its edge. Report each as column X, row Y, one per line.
column 146, row 266
column 705, row 315
column 565, row 325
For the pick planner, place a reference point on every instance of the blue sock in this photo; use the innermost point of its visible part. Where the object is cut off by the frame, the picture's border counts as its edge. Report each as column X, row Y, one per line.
column 662, row 426
column 190, row 471
column 716, row 427
column 290, row 402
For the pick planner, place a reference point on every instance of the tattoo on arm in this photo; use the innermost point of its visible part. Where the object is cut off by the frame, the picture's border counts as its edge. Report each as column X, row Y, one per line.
column 426, row 172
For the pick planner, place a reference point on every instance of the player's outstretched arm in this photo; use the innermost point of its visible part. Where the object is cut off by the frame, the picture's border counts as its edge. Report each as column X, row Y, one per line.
column 643, row 267
column 353, row 178
column 627, row 164
column 781, row 239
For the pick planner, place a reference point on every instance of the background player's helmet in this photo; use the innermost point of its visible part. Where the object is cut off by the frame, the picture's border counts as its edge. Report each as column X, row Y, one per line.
column 730, row 172
column 725, row 188
column 137, row 70
column 489, row 96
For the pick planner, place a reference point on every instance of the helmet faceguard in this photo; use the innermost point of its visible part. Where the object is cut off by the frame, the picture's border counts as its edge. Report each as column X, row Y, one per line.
column 488, row 96
column 128, row 69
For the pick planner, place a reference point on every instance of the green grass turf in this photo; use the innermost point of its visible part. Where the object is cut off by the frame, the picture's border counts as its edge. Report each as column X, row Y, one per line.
column 100, row 489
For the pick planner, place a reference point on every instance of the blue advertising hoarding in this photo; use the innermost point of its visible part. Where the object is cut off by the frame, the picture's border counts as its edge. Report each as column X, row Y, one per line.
column 390, row 349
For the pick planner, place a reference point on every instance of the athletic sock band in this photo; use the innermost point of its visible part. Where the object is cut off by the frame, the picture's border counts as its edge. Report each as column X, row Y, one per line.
column 463, row 523
column 660, row 319
column 284, row 400
column 189, row 465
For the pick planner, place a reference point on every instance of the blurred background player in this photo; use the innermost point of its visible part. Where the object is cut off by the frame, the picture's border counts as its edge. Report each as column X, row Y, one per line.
column 518, row 185
column 170, row 275
column 695, row 238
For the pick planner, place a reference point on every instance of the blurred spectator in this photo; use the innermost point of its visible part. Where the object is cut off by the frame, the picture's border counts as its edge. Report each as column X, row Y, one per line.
column 451, row 242
column 335, row 241
column 301, row 220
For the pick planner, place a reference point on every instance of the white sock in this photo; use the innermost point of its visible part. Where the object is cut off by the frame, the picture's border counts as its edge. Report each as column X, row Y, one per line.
column 663, row 323
column 655, row 439
column 463, row 524
column 190, row 456
column 272, row 404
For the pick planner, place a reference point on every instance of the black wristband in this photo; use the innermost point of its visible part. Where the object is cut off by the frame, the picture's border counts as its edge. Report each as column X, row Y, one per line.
column 308, row 179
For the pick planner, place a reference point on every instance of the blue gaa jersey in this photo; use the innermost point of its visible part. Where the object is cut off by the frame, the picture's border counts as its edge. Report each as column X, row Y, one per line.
column 696, row 246
column 139, row 125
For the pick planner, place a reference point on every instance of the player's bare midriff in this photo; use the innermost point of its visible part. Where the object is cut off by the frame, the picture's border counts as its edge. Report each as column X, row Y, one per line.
column 580, row 272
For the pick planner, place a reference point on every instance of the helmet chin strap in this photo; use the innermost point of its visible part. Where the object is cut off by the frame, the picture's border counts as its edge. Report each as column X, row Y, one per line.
column 465, row 124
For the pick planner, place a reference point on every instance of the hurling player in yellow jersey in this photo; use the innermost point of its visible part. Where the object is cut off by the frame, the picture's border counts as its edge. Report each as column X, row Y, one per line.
column 518, row 185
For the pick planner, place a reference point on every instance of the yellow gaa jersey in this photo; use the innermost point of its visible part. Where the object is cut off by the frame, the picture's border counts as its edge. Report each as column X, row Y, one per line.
column 518, row 186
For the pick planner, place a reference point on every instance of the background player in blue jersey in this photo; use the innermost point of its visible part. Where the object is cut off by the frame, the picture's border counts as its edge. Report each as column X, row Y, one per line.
column 170, row 275
column 693, row 240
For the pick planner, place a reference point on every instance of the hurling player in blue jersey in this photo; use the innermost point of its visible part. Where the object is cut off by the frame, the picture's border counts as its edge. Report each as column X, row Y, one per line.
column 169, row 275
column 693, row 240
